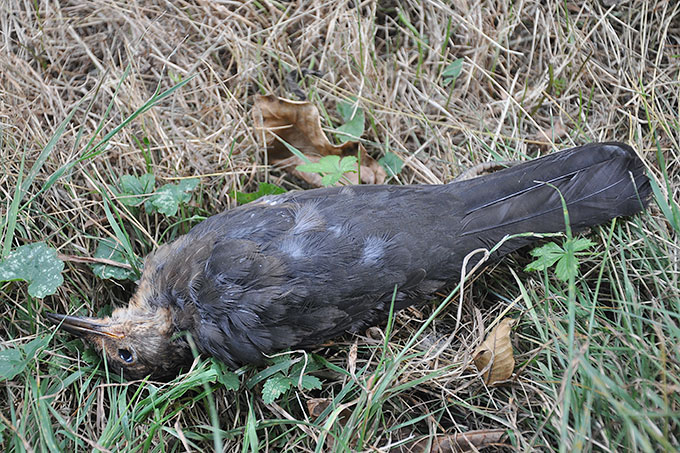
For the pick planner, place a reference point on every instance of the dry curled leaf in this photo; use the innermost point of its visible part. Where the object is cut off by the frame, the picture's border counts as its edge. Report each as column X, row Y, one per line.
column 298, row 124
column 316, row 406
column 497, row 351
column 469, row 441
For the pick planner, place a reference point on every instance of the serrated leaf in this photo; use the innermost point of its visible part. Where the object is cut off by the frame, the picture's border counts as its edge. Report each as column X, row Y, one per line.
column 354, row 119
column 567, row 264
column 167, row 199
column 275, row 387
column 582, row 244
column 131, row 185
column 391, row 163
column 37, row 264
column 310, row 382
column 13, row 361
column 547, row 255
column 111, row 250
column 452, row 71
column 262, row 190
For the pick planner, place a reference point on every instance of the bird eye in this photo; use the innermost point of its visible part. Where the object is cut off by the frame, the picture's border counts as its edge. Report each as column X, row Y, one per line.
column 125, row 355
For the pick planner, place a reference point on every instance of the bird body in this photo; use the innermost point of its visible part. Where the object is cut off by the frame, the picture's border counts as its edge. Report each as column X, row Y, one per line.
column 296, row 269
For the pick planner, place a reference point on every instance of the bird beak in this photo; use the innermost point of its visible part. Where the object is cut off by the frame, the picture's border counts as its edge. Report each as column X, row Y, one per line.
column 83, row 326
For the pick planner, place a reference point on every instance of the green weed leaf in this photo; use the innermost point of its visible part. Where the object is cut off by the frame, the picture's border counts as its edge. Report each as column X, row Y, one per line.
column 131, row 185
column 391, row 163
column 452, row 71
column 331, row 167
column 168, row 198
column 563, row 257
column 547, row 255
column 227, row 378
column 354, row 119
column 13, row 361
column 262, row 190
column 275, row 387
column 111, row 250
column 582, row 244
column 310, row 382
column 37, row 264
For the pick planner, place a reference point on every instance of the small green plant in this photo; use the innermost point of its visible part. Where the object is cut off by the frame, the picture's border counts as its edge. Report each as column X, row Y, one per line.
column 452, row 71
column 226, row 377
column 391, row 163
column 353, row 118
column 263, row 189
column 331, row 167
column 14, row 360
column 556, row 84
column 131, row 185
column 111, row 250
column 166, row 199
column 283, row 374
column 565, row 257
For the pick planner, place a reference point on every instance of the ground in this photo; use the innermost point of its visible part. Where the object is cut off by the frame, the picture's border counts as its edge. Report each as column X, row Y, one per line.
column 92, row 93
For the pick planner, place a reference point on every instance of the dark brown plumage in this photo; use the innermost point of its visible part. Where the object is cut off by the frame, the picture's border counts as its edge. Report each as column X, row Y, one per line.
column 296, row 269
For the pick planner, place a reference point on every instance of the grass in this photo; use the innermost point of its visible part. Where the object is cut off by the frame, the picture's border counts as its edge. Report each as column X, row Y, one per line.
column 90, row 94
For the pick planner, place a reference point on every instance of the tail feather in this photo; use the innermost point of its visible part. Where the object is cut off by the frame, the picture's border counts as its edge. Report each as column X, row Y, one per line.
column 598, row 181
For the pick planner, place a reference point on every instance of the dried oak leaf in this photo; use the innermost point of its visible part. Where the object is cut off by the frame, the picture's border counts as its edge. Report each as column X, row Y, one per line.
column 460, row 442
column 294, row 123
column 497, row 351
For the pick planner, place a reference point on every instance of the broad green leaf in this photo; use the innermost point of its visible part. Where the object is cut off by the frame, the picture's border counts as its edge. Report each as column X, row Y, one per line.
column 275, row 387
column 167, row 199
column 452, row 71
column 262, row 190
column 229, row 380
column 391, row 163
column 13, row 361
column 346, row 109
column 310, row 382
column 132, row 185
column 225, row 377
column 37, row 264
column 111, row 250
column 331, row 167
column 354, row 119
column 547, row 255
column 32, row 348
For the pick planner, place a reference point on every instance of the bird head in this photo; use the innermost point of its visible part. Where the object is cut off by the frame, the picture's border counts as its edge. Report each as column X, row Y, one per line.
column 137, row 341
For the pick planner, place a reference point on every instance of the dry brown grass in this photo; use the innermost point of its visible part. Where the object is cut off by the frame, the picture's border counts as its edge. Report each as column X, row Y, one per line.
column 537, row 76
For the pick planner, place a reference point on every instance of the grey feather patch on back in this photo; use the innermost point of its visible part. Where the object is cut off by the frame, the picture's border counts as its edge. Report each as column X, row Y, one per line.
column 308, row 218
column 374, row 250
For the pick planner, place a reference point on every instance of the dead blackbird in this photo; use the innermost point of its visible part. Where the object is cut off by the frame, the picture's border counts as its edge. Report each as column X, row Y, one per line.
column 296, row 269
